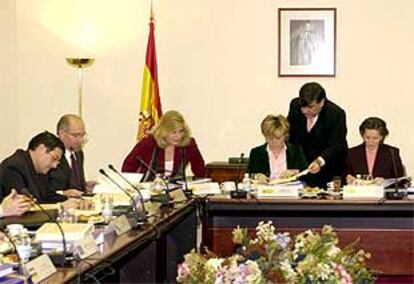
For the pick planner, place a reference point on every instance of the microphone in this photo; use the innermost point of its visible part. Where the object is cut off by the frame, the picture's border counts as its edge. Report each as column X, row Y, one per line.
column 132, row 219
column 59, row 259
column 19, row 260
column 186, row 191
column 396, row 194
column 166, row 201
column 238, row 193
column 142, row 214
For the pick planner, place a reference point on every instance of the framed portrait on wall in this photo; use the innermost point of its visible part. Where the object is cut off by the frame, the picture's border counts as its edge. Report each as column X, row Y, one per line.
column 307, row 42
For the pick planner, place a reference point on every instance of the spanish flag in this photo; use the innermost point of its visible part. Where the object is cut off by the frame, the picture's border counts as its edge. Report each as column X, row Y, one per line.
column 150, row 111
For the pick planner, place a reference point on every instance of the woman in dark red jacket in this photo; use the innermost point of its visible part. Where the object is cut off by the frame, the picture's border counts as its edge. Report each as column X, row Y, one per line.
column 373, row 157
column 167, row 149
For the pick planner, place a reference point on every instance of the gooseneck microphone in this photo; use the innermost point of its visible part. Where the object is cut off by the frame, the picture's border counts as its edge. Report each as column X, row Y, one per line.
column 132, row 219
column 186, row 191
column 19, row 260
column 238, row 193
column 396, row 194
column 141, row 215
column 57, row 259
column 167, row 190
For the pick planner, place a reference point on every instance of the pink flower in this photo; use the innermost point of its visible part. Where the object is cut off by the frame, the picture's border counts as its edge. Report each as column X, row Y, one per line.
column 183, row 270
column 341, row 271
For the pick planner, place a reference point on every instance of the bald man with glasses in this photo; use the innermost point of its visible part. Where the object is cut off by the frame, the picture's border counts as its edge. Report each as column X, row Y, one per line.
column 69, row 176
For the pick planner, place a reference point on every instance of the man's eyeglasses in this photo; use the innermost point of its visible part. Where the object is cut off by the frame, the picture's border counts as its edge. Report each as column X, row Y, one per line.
column 78, row 135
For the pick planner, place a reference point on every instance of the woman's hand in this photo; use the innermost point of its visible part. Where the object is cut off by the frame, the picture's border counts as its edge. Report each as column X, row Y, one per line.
column 288, row 173
column 261, row 178
column 350, row 179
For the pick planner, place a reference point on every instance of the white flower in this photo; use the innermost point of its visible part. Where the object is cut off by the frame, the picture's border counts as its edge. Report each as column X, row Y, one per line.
column 333, row 250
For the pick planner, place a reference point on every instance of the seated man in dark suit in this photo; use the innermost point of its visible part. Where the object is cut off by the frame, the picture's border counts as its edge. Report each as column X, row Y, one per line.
column 319, row 126
column 69, row 174
column 29, row 170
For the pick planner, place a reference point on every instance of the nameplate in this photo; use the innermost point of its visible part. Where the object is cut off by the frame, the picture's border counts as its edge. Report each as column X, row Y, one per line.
column 85, row 247
column 208, row 188
column 178, row 195
column 40, row 268
column 374, row 192
column 279, row 191
column 121, row 225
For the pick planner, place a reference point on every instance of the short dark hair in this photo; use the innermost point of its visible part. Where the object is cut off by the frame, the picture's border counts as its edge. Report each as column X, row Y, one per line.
column 374, row 123
column 311, row 92
column 48, row 139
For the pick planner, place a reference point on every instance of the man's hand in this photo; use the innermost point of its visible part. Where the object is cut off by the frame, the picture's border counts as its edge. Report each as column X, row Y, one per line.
column 72, row 193
column 90, row 185
column 314, row 167
column 15, row 204
column 81, row 204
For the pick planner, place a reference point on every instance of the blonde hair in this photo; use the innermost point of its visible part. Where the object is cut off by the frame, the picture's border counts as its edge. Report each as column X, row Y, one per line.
column 170, row 121
column 275, row 126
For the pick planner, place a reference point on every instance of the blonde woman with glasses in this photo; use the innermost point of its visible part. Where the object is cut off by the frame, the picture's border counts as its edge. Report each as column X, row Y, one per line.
column 168, row 149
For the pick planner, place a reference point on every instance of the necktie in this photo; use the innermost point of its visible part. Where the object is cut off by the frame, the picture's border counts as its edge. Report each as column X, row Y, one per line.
column 75, row 171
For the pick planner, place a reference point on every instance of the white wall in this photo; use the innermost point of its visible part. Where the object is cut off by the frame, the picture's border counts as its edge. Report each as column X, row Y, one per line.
column 217, row 65
column 8, row 102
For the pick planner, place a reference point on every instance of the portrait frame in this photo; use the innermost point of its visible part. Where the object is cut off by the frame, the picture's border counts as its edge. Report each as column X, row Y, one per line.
column 307, row 42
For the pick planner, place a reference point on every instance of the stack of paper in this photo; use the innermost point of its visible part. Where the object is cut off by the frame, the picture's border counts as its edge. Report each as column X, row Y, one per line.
column 50, row 236
column 5, row 269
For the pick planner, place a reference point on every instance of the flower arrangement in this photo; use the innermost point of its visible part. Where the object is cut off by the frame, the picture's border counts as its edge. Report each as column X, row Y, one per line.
column 272, row 257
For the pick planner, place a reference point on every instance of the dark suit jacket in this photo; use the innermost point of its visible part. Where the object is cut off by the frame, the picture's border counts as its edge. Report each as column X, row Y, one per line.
column 259, row 159
column 62, row 178
column 17, row 171
column 356, row 162
column 327, row 139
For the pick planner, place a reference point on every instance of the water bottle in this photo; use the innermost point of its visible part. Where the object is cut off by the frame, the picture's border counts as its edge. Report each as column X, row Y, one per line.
column 158, row 184
column 107, row 206
column 23, row 245
column 247, row 183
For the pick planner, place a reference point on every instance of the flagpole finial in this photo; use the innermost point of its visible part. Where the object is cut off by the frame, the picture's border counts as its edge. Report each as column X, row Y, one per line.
column 152, row 15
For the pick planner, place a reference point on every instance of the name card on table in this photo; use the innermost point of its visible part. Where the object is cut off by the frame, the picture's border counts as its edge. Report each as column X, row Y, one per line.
column 178, row 195
column 371, row 191
column 289, row 190
column 121, row 225
column 207, row 188
column 40, row 268
column 85, row 247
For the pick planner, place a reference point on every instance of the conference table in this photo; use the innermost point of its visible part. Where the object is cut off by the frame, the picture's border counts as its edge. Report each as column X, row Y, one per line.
column 384, row 228
column 148, row 254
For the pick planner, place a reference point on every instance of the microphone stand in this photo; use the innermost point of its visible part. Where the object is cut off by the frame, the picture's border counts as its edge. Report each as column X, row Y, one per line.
column 142, row 214
column 167, row 200
column 396, row 194
column 19, row 260
column 59, row 259
column 186, row 191
column 238, row 194
column 132, row 218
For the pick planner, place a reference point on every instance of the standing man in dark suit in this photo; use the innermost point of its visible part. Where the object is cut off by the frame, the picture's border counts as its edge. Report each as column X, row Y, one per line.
column 319, row 126
column 70, row 175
